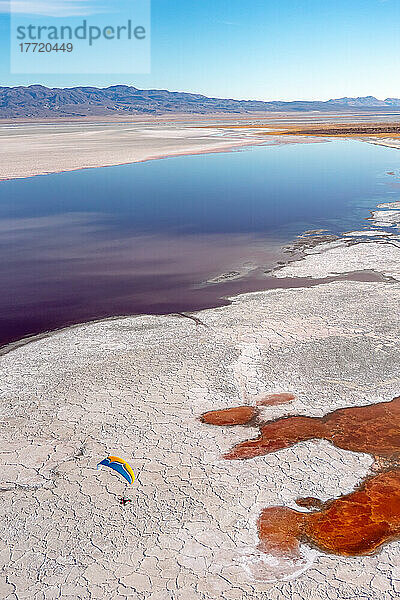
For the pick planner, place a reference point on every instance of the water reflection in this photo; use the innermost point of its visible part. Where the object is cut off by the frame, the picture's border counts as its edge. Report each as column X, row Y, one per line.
column 141, row 238
column 61, row 269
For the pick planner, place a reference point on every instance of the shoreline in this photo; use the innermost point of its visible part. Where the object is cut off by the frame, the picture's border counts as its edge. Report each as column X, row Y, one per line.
column 232, row 147
column 33, row 150
column 212, row 150
column 137, row 387
column 257, row 279
column 278, row 283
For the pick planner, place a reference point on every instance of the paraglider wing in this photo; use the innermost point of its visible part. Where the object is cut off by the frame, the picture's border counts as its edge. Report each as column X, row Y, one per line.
column 119, row 465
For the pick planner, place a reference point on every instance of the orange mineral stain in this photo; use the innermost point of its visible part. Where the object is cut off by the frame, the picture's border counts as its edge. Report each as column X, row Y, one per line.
column 352, row 525
column 374, row 429
column 309, row 502
column 355, row 524
column 238, row 415
column 276, row 399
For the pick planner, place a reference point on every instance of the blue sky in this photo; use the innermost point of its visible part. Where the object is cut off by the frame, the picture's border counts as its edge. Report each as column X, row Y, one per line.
column 263, row 49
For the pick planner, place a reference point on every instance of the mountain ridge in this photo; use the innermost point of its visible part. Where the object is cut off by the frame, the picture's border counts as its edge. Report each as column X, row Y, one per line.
column 37, row 101
column 369, row 101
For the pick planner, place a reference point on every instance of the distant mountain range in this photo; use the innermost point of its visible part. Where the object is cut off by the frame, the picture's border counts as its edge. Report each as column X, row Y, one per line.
column 365, row 102
column 37, row 101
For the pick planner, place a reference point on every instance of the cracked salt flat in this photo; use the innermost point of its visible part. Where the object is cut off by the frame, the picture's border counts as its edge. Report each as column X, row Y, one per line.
column 136, row 387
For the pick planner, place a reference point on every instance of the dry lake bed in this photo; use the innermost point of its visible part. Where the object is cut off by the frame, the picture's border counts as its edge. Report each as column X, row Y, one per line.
column 138, row 387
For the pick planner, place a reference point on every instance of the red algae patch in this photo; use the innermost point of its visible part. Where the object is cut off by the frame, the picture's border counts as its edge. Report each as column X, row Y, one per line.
column 354, row 524
column 238, row 415
column 276, row 435
column 374, row 429
column 309, row 502
column 276, row 399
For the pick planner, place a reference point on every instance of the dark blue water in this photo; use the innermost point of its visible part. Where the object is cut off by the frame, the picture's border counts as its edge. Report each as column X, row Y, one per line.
column 140, row 238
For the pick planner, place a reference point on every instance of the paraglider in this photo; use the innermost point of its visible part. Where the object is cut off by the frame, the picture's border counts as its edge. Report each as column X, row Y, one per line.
column 120, row 465
column 124, row 501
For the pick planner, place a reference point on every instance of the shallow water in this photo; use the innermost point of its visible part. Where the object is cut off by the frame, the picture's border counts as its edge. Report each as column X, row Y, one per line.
column 141, row 238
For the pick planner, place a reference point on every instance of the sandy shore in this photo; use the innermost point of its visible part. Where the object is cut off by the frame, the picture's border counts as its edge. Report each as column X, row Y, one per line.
column 135, row 387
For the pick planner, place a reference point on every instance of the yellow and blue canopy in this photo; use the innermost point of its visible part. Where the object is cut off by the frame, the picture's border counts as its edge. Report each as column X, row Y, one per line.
column 120, row 465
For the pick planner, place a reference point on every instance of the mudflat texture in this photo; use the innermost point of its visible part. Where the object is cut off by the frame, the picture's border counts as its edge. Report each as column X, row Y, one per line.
column 136, row 388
